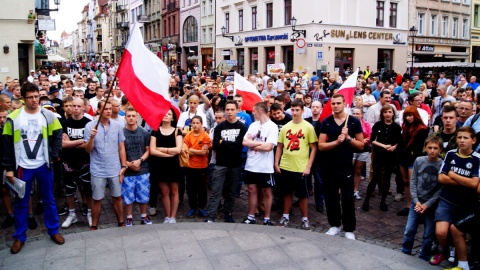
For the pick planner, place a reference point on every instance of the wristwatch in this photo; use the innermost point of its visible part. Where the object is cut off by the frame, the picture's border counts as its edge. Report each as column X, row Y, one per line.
column 349, row 139
column 141, row 160
column 125, row 166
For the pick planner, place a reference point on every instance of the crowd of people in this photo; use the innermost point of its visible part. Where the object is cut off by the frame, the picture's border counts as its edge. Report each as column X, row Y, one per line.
column 67, row 134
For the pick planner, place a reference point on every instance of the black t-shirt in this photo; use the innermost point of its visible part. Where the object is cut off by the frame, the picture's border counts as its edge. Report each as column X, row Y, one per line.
column 165, row 164
column 446, row 139
column 282, row 122
column 75, row 131
column 214, row 75
column 89, row 95
column 339, row 157
column 385, row 134
column 230, row 150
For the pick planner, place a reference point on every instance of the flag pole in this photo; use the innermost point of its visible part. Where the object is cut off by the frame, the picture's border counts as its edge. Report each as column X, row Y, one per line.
column 106, row 99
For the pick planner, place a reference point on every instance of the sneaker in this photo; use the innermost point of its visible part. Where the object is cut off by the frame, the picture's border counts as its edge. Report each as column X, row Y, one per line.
column 62, row 211
column 191, row 213
column 152, row 211
column 229, row 218
column 89, row 219
column 306, row 225
column 357, row 195
column 249, row 221
column 268, row 223
column 129, row 222
column 209, row 221
column 283, row 222
column 399, row 197
column 404, row 212
column 84, row 209
column 71, row 219
column 9, row 221
column 365, row 206
column 452, row 255
column 436, row 259
column 146, row 220
column 166, row 220
column 32, row 223
column 172, row 221
column 202, row 212
column 333, row 231
column 350, row 235
column 384, row 207
column 455, row 268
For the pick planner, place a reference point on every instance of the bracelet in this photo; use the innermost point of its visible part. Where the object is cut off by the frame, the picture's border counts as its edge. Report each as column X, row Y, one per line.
column 167, row 150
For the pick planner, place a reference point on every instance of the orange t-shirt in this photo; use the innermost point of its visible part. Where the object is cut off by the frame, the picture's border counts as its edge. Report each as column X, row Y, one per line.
column 197, row 142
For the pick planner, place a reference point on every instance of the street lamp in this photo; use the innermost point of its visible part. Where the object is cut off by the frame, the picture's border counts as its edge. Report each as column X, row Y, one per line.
column 413, row 33
column 296, row 33
column 224, row 31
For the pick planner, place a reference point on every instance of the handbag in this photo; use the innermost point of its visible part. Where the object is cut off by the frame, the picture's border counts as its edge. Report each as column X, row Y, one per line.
column 184, row 156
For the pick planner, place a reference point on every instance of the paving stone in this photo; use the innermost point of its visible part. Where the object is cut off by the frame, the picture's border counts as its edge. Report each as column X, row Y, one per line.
column 219, row 246
column 249, row 241
column 238, row 260
column 196, row 264
column 141, row 256
column 183, row 251
column 72, row 263
column 114, row 259
column 103, row 244
column 268, row 256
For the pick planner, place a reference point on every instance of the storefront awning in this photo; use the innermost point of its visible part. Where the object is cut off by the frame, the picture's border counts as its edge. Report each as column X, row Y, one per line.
column 441, row 64
column 39, row 51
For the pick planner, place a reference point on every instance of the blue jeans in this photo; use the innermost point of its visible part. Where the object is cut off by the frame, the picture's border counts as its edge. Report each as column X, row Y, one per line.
column 44, row 177
column 318, row 185
column 414, row 219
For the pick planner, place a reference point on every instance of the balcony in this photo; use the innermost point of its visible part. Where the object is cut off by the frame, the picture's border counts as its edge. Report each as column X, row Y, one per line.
column 154, row 17
column 99, row 37
column 123, row 25
column 121, row 8
column 89, row 36
column 171, row 6
column 119, row 47
column 142, row 18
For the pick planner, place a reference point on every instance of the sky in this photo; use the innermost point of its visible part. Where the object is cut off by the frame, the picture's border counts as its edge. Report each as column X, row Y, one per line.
column 66, row 19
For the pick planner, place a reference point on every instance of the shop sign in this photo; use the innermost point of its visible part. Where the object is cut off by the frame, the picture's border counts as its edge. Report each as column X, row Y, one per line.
column 361, row 35
column 317, row 44
column 275, row 68
column 225, row 52
column 206, row 51
column 319, row 55
column 300, row 50
column 266, row 38
column 425, row 48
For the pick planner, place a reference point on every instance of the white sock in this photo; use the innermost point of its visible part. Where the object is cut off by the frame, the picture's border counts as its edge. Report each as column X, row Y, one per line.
column 463, row 265
column 304, row 219
column 143, row 215
column 251, row 217
column 129, row 216
column 287, row 216
column 71, row 212
column 265, row 219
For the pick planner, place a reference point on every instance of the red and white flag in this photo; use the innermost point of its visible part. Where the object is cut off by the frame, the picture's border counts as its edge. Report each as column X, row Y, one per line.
column 347, row 90
column 249, row 93
column 144, row 79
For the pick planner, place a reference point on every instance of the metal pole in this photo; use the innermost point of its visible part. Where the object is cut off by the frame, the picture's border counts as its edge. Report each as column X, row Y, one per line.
column 413, row 57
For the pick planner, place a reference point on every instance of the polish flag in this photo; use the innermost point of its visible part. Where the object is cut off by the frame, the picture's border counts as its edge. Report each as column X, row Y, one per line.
column 249, row 93
column 145, row 80
column 347, row 90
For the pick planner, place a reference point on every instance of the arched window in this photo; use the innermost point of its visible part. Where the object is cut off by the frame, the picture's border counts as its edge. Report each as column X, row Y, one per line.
column 190, row 30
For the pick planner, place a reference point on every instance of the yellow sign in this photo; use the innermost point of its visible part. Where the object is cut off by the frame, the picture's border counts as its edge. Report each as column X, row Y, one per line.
column 361, row 35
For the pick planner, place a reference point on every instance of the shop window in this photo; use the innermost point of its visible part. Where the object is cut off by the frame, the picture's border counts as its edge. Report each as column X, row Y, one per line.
column 190, row 30
column 384, row 59
column 343, row 59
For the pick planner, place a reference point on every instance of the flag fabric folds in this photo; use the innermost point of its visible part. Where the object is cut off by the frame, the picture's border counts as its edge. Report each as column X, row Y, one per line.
column 249, row 93
column 144, row 79
column 347, row 90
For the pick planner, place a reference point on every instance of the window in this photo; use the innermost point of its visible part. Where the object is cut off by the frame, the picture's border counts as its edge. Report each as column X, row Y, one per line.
column 393, row 15
column 254, row 18
column 174, row 26
column 240, row 20
column 210, row 35
column 204, row 8
column 211, row 6
column 433, row 25
column 288, row 11
column 204, row 35
column 269, row 15
column 444, row 26
column 190, row 30
column 421, row 24
column 476, row 23
column 455, row 1
column 380, row 11
column 455, row 28
column 227, row 22
column 465, row 29
column 466, row 2
column 183, row 3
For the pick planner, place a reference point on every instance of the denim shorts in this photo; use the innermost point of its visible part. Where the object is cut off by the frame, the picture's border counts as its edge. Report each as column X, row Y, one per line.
column 449, row 212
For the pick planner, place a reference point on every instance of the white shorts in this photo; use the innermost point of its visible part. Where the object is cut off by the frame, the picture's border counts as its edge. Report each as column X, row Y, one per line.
column 361, row 156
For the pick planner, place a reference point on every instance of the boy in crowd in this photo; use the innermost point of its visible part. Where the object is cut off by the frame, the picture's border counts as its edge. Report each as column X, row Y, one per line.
column 425, row 190
column 459, row 175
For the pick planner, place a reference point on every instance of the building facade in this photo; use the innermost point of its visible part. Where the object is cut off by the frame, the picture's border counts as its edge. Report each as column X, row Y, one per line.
column 339, row 34
column 190, row 38
column 120, row 24
column 152, row 25
column 17, row 40
column 206, row 59
column 475, row 32
column 171, row 32
column 443, row 30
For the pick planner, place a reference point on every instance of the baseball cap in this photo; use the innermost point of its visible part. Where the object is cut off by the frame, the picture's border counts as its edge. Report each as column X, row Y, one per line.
column 53, row 89
column 32, row 70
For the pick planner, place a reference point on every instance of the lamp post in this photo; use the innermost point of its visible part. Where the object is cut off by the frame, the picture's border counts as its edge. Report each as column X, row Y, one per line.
column 413, row 33
column 296, row 33
column 224, row 31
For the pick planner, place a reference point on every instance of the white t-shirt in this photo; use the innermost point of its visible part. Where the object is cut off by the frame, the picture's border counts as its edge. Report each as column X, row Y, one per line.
column 186, row 118
column 94, row 103
column 31, row 140
column 261, row 162
column 53, row 78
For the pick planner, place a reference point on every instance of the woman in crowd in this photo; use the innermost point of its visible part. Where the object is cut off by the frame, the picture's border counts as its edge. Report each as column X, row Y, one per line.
column 360, row 159
column 470, row 95
column 386, row 135
column 212, row 110
column 358, row 104
column 165, row 145
column 368, row 98
column 414, row 134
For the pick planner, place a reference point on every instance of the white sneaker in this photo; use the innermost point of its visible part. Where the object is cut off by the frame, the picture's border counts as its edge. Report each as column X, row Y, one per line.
column 89, row 219
column 333, row 231
column 166, row 220
column 357, row 195
column 71, row 219
column 399, row 197
column 350, row 235
column 172, row 220
column 152, row 211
